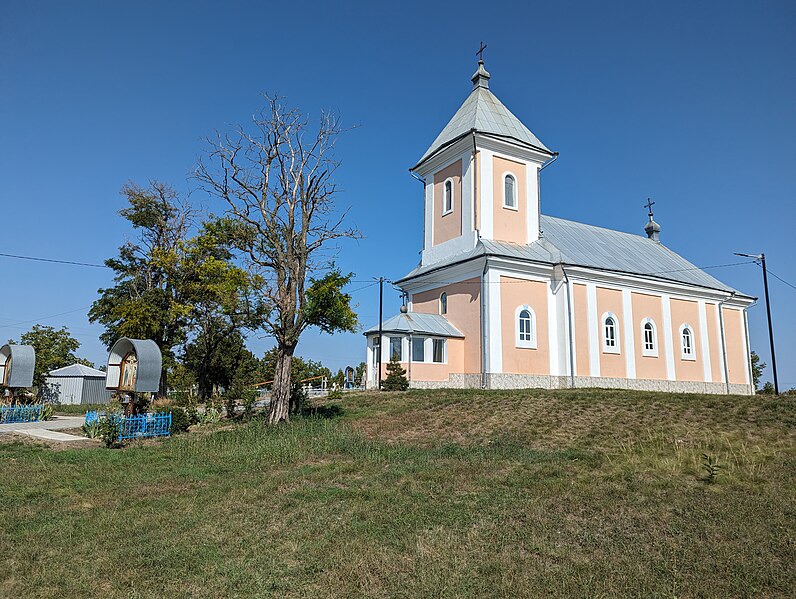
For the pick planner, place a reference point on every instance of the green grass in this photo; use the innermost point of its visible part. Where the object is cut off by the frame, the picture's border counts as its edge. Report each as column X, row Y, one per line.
column 77, row 409
column 450, row 493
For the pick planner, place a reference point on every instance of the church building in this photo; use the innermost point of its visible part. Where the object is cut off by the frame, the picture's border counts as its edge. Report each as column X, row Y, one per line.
column 507, row 297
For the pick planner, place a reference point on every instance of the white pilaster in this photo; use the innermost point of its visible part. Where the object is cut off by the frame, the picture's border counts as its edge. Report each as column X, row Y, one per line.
column 744, row 337
column 722, row 337
column 494, row 332
column 594, row 342
column 629, row 329
column 485, row 186
column 667, row 332
column 704, row 344
column 532, row 198
column 552, row 329
column 428, row 241
column 467, row 193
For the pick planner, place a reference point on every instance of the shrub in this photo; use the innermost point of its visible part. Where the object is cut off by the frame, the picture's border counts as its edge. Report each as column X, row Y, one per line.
column 92, row 429
column 47, row 411
column 180, row 421
column 396, row 377
column 209, row 416
column 335, row 394
column 110, row 429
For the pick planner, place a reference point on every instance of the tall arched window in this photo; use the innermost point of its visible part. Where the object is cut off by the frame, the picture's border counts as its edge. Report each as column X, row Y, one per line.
column 526, row 327
column 447, row 205
column 687, row 345
column 443, row 303
column 610, row 333
column 509, row 191
column 649, row 338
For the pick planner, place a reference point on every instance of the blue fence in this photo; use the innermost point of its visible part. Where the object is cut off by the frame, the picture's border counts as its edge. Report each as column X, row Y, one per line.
column 28, row 413
column 137, row 427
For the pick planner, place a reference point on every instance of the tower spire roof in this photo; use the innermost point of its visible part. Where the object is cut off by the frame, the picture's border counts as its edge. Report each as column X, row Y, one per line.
column 482, row 112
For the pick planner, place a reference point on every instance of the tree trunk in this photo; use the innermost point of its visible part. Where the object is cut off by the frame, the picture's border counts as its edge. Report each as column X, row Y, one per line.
column 280, row 394
column 163, row 387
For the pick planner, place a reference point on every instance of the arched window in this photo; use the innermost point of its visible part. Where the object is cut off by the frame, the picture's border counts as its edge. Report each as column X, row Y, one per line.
column 443, row 303
column 687, row 346
column 610, row 333
column 526, row 327
column 649, row 338
column 447, row 204
column 509, row 191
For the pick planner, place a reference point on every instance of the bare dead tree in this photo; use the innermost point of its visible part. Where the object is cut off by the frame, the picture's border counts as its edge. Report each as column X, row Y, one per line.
column 277, row 178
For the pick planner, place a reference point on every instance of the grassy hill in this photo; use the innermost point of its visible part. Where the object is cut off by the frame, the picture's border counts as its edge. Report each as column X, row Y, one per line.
column 444, row 493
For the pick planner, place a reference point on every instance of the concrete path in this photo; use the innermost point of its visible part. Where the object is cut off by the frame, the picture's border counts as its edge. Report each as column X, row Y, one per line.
column 50, row 435
column 57, row 423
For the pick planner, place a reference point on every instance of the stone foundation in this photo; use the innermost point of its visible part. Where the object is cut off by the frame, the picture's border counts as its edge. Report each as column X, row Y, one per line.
column 529, row 381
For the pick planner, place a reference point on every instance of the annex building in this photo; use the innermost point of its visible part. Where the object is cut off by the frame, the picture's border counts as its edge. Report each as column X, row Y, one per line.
column 507, row 297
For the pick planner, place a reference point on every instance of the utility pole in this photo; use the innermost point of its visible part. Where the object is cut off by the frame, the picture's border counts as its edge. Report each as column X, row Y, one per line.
column 378, row 349
column 762, row 260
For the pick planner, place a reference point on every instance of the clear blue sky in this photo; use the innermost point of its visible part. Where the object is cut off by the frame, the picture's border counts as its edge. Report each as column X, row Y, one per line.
column 690, row 103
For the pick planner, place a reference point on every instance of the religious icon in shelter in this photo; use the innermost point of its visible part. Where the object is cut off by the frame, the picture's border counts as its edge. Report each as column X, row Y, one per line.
column 129, row 372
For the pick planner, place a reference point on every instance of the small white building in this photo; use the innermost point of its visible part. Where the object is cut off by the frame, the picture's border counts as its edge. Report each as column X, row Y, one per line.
column 76, row 384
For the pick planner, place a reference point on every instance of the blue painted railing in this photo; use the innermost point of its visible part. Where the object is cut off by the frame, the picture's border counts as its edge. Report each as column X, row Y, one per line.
column 137, row 427
column 28, row 413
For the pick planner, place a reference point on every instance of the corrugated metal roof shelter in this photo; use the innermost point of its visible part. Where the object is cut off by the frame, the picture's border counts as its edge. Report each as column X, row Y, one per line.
column 418, row 323
column 17, row 363
column 76, row 384
column 577, row 244
column 134, row 365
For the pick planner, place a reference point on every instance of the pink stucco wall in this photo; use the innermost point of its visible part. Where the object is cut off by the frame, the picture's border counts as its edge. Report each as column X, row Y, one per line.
column 520, row 360
column 686, row 312
column 649, row 306
column 508, row 224
column 464, row 311
column 448, row 226
column 612, row 365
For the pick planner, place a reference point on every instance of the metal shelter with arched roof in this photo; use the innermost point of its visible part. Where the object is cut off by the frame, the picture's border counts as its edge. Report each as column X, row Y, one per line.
column 17, row 363
column 134, row 366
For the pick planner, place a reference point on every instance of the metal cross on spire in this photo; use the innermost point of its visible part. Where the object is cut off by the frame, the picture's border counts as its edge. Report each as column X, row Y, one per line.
column 480, row 52
column 649, row 206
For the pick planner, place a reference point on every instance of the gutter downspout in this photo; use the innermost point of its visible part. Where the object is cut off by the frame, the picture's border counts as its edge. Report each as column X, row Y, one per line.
column 484, row 347
column 569, row 328
column 724, row 342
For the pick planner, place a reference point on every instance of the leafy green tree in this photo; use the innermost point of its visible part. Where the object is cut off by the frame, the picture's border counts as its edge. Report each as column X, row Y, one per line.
column 220, row 360
column 396, row 377
column 359, row 374
column 222, row 308
column 148, row 300
column 277, row 179
column 55, row 348
column 757, row 369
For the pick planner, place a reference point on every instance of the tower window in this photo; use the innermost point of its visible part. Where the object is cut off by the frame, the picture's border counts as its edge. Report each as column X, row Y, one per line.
column 443, row 303
column 447, row 200
column 509, row 191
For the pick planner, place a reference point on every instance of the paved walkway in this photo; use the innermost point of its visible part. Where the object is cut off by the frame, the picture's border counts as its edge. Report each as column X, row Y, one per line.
column 51, row 435
column 56, row 424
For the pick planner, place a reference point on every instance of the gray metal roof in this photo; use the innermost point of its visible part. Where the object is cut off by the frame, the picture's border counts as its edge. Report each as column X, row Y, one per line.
column 578, row 244
column 21, row 360
column 483, row 112
column 418, row 323
column 76, row 370
column 150, row 362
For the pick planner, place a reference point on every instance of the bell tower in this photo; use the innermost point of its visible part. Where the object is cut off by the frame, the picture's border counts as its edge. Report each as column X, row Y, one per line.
column 481, row 176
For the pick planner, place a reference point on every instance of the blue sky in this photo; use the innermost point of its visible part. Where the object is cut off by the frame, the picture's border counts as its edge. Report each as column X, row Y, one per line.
column 690, row 103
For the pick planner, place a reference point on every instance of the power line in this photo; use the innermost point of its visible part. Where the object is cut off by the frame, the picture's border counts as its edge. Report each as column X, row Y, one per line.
column 781, row 279
column 52, row 260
